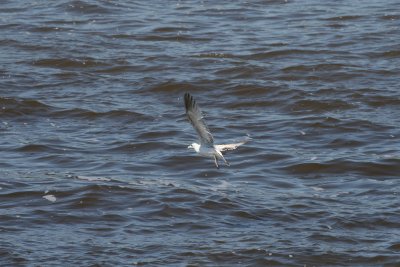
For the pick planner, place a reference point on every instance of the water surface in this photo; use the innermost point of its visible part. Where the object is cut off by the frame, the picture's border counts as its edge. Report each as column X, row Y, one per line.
column 95, row 169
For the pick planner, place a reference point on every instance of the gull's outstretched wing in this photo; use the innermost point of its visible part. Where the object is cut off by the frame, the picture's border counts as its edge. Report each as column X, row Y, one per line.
column 231, row 146
column 195, row 117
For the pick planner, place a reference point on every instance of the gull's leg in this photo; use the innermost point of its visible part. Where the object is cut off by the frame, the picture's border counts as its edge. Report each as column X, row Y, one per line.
column 219, row 155
column 216, row 162
column 227, row 163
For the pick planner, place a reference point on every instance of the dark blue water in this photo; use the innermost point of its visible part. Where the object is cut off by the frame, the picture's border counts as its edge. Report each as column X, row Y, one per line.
column 94, row 165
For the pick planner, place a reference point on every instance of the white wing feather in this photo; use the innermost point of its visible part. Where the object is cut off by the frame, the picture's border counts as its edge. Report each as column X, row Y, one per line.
column 229, row 146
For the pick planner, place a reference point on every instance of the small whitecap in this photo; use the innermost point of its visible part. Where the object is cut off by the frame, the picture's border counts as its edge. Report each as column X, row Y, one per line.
column 92, row 179
column 316, row 188
column 224, row 185
column 50, row 198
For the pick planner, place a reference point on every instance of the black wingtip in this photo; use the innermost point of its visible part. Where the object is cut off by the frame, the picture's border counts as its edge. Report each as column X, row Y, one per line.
column 189, row 101
column 188, row 96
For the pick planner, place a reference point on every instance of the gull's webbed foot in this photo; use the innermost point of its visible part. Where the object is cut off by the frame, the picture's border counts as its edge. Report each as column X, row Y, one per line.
column 226, row 163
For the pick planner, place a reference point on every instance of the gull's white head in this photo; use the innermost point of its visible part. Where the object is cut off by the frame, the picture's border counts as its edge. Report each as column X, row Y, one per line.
column 195, row 146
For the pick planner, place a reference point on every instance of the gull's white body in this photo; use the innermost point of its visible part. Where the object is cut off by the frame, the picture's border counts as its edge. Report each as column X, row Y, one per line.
column 206, row 148
column 209, row 152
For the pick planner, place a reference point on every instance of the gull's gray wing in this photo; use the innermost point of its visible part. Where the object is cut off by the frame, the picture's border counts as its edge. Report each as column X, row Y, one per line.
column 195, row 117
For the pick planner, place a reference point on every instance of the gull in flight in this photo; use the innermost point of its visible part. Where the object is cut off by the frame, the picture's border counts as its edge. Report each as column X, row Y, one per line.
column 206, row 147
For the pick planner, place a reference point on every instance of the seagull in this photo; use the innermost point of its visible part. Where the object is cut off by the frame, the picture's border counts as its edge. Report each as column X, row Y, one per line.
column 206, row 148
